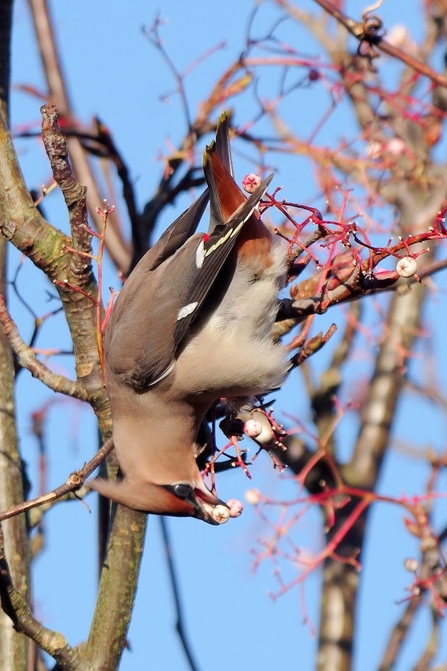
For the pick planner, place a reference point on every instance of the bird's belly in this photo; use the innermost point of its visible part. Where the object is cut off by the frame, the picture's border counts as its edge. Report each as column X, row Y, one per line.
column 232, row 354
column 231, row 360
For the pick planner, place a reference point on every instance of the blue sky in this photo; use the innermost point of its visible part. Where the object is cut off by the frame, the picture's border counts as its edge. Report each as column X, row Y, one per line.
column 114, row 73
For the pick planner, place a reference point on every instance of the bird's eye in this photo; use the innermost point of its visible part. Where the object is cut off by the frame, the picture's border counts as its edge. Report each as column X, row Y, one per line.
column 182, row 491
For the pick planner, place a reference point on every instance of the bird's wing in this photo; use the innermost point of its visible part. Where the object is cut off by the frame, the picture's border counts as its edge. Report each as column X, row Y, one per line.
column 156, row 307
column 177, row 233
column 141, row 298
column 195, row 267
column 165, row 292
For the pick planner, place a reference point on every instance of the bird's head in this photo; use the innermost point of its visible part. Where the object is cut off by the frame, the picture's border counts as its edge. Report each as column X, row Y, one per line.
column 178, row 499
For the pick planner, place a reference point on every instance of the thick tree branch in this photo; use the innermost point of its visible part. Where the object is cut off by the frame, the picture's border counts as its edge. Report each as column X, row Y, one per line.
column 13, row 647
column 117, row 589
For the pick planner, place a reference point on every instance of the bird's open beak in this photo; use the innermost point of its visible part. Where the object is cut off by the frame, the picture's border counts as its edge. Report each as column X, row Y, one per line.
column 210, row 509
column 200, row 502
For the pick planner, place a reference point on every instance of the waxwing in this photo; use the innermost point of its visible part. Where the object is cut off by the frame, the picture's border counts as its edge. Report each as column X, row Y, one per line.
column 192, row 325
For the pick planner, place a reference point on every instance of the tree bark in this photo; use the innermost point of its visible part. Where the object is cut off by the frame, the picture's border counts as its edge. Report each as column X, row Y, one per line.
column 13, row 646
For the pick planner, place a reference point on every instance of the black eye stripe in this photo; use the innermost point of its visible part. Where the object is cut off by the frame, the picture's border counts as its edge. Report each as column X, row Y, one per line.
column 181, row 491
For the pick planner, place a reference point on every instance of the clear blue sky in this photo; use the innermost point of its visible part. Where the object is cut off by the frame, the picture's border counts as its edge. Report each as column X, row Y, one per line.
column 114, row 73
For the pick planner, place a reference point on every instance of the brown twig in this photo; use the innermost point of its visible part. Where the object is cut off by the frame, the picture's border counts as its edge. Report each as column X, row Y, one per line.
column 432, row 647
column 399, row 634
column 154, row 38
column 13, row 647
column 105, row 139
column 74, row 481
column 45, row 34
column 27, row 359
column 357, row 29
column 180, row 624
column 74, row 193
column 17, row 608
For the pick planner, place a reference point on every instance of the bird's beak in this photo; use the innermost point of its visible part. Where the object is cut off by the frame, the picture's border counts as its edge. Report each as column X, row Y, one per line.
column 205, row 505
column 213, row 509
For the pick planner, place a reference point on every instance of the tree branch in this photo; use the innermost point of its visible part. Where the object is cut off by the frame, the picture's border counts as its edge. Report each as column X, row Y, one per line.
column 74, row 481
column 13, row 647
column 180, row 625
column 27, row 359
column 17, row 608
column 359, row 30
column 117, row 248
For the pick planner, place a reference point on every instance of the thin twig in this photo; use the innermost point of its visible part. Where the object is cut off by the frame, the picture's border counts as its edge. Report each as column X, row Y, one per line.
column 58, row 94
column 16, row 607
column 356, row 28
column 399, row 634
column 74, row 481
column 27, row 359
column 432, row 646
column 105, row 139
column 180, row 625
column 154, row 38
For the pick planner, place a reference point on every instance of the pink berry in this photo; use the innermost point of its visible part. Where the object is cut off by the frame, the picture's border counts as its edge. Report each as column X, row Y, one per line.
column 221, row 514
column 235, row 507
column 253, row 496
column 407, row 266
column 252, row 428
column 251, row 182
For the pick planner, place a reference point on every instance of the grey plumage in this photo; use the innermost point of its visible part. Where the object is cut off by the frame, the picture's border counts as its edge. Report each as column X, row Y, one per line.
column 191, row 325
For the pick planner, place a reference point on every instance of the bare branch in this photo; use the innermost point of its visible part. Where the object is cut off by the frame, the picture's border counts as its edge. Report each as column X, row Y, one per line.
column 180, row 625
column 74, row 481
column 24, row 621
column 13, row 647
column 359, row 29
column 27, row 359
column 74, row 193
column 46, row 39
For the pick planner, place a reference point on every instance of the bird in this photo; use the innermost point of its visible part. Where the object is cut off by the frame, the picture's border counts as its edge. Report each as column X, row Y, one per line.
column 191, row 325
